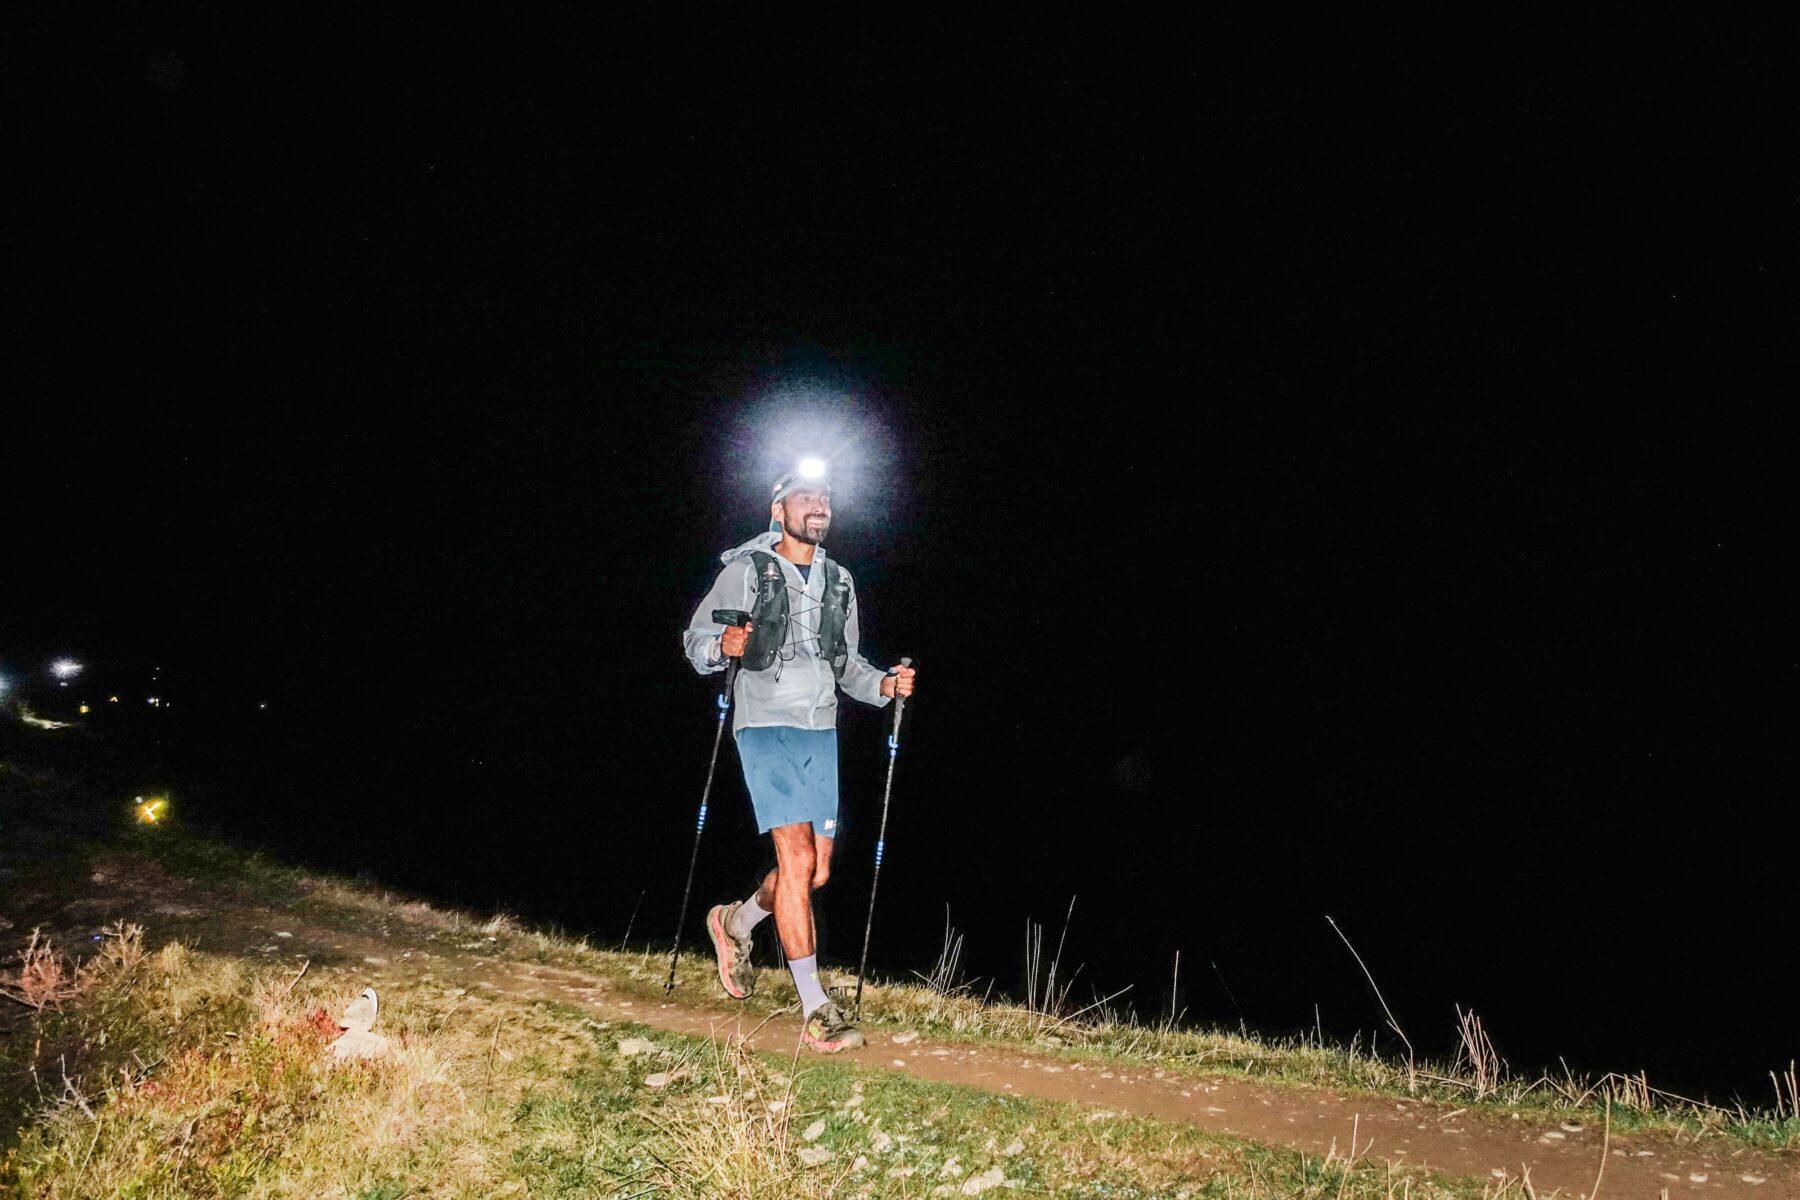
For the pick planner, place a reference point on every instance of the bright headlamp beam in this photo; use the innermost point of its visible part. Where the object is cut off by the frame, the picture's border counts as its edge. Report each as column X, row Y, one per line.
column 65, row 668
column 812, row 468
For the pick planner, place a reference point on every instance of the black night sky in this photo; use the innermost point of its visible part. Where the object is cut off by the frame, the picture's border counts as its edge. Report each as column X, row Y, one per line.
column 1343, row 476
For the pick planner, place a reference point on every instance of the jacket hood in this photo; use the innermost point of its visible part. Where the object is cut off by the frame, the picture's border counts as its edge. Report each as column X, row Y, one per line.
column 766, row 542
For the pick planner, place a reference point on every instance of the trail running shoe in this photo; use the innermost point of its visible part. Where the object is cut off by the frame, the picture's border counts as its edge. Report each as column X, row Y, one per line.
column 828, row 1032
column 735, row 970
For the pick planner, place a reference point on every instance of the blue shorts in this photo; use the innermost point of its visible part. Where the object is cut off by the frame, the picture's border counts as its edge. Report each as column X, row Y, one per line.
column 792, row 775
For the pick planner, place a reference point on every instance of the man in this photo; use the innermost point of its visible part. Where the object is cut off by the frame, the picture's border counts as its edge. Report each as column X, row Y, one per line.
column 799, row 646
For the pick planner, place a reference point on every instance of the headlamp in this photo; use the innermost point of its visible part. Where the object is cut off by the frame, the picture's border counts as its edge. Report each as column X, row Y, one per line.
column 810, row 475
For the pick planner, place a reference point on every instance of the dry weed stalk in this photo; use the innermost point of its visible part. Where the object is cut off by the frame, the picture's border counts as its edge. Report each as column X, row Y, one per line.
column 1626, row 1091
column 1605, row 1150
column 1477, row 1053
column 1048, row 1000
column 1630, row 1091
column 1412, row 1072
column 946, row 975
column 1789, row 1105
column 1034, row 950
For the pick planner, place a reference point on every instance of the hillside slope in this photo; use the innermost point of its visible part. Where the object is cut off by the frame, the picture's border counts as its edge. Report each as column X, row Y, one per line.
column 183, row 1053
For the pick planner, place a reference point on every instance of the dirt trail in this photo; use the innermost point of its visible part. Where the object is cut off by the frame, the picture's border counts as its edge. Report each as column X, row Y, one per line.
column 1563, row 1159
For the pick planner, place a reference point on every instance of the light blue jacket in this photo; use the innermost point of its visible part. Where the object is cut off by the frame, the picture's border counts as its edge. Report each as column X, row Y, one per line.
column 798, row 689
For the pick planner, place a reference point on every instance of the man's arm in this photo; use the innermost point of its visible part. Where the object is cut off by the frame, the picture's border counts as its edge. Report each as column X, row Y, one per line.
column 700, row 640
column 861, row 680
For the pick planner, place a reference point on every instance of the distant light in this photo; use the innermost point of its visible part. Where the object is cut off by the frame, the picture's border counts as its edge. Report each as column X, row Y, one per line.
column 84, row 708
column 65, row 668
column 812, row 468
column 154, row 702
column 264, row 704
column 26, row 716
column 150, row 811
column 112, row 699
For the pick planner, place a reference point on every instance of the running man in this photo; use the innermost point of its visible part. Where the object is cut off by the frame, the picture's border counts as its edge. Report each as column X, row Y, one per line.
column 799, row 646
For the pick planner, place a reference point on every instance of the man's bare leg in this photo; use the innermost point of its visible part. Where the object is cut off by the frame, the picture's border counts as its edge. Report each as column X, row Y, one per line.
column 802, row 865
column 802, row 862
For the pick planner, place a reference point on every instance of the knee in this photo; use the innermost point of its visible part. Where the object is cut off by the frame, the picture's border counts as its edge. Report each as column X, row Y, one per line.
column 796, row 867
column 821, row 873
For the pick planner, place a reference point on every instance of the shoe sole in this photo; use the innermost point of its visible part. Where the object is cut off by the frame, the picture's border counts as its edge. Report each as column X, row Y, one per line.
column 838, row 1048
column 715, row 929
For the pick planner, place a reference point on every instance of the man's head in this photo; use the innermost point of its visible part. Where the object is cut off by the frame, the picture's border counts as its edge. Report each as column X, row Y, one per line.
column 800, row 503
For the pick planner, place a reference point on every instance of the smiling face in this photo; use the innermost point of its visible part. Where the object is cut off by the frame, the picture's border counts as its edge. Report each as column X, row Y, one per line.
column 805, row 515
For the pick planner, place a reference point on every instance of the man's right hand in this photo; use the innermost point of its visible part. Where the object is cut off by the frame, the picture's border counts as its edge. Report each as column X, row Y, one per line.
column 734, row 639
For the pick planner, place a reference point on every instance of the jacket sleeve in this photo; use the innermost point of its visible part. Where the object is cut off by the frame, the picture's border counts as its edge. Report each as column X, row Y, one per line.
column 861, row 679
column 700, row 639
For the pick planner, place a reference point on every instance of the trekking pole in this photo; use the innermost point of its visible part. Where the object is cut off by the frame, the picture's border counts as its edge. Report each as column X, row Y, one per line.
column 724, row 616
column 880, row 840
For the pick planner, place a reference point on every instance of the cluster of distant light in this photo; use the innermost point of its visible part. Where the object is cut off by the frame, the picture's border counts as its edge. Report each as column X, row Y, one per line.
column 65, row 669
column 150, row 811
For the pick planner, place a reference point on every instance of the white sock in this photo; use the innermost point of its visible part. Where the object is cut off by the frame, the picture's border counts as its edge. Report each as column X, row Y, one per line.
column 748, row 916
column 806, row 979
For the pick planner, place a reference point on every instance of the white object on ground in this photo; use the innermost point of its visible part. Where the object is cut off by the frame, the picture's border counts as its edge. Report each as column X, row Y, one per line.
column 358, row 1041
column 361, row 1012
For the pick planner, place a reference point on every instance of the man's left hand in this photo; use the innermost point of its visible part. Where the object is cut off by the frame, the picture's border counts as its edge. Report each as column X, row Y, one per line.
column 899, row 682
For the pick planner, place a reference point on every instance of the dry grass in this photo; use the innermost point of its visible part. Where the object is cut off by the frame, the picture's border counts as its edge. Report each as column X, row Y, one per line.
column 190, row 1074
column 44, row 976
column 944, row 1006
column 1051, row 1022
column 1049, row 1019
column 187, row 1074
column 47, row 977
column 738, row 1139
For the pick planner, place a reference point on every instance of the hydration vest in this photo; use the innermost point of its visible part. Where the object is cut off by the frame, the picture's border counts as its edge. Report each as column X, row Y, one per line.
column 769, row 616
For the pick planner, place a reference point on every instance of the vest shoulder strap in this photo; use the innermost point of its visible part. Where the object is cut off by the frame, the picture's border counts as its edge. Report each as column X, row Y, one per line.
column 833, row 615
column 769, row 614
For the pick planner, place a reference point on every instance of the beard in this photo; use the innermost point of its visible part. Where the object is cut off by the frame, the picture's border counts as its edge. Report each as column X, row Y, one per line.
column 800, row 531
